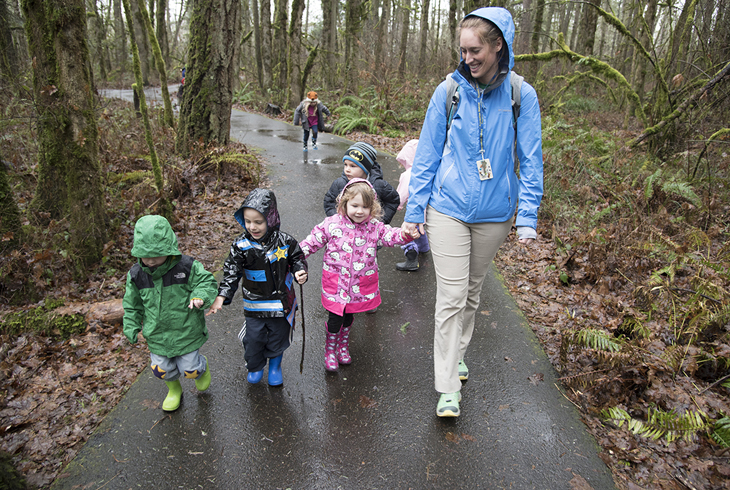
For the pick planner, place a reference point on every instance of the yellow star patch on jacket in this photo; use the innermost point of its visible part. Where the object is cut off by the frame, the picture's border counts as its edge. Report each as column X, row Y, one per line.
column 280, row 253
column 191, row 374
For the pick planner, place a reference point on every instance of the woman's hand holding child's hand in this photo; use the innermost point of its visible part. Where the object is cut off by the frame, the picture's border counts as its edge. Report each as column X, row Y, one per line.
column 195, row 303
column 301, row 277
column 217, row 305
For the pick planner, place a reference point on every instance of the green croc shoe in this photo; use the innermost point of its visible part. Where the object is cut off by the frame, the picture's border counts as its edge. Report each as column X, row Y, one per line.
column 448, row 405
column 463, row 371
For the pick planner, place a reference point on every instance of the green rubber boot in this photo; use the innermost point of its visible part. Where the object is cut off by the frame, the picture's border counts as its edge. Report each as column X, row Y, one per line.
column 202, row 382
column 174, row 395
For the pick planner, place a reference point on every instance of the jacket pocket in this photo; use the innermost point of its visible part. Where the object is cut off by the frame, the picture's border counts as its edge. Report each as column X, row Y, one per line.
column 329, row 282
column 369, row 283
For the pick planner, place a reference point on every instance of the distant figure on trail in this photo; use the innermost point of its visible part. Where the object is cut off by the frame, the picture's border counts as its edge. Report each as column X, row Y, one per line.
column 165, row 296
column 464, row 188
column 309, row 114
column 349, row 269
column 267, row 261
column 182, row 84
column 360, row 161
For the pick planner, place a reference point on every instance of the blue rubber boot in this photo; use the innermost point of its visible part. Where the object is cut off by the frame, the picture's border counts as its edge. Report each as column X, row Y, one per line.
column 276, row 378
column 255, row 376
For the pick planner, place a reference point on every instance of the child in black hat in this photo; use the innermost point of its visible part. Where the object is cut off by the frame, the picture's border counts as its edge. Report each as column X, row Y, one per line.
column 360, row 161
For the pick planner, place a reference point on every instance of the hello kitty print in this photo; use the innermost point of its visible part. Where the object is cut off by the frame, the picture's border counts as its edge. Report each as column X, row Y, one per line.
column 349, row 269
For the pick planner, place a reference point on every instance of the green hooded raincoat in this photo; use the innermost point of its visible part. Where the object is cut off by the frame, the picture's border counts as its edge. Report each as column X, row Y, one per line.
column 156, row 301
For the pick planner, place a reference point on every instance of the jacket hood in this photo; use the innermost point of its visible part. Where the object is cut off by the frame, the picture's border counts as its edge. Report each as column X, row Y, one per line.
column 153, row 237
column 354, row 181
column 503, row 20
column 263, row 201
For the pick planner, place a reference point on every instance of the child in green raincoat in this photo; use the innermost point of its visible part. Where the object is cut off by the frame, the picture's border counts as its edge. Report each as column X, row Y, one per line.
column 165, row 299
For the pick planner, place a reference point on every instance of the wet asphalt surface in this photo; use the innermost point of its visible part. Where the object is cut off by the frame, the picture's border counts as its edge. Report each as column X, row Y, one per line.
column 372, row 424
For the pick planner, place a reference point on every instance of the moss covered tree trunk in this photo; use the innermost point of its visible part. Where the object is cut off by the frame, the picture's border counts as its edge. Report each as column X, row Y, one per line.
column 294, row 54
column 8, row 54
column 9, row 214
column 215, row 36
column 69, row 176
column 159, row 62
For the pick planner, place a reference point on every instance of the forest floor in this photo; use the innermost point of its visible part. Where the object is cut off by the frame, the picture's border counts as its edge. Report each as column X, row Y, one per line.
column 55, row 392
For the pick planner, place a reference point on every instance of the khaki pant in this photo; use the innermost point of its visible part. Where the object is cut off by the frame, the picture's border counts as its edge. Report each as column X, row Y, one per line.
column 461, row 255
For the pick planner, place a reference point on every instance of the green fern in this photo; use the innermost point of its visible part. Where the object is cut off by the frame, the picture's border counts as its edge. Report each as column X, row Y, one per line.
column 721, row 432
column 597, row 339
column 649, row 187
column 684, row 190
column 669, row 426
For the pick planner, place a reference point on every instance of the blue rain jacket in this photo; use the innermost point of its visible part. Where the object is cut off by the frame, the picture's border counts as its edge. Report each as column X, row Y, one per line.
column 446, row 176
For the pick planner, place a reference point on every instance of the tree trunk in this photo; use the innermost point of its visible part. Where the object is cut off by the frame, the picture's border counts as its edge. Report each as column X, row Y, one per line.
column 258, row 48
column 163, row 206
column 353, row 22
column 69, row 177
column 453, row 45
column 205, row 114
column 140, row 33
column 329, row 41
column 10, row 225
column 120, row 39
column 587, row 38
column 380, row 27
column 548, row 27
column 422, row 55
column 296, row 91
column 524, row 28
column 279, row 52
column 266, row 55
column 160, row 62
column 406, row 22
column 161, row 30
column 537, row 26
column 8, row 53
column 100, row 36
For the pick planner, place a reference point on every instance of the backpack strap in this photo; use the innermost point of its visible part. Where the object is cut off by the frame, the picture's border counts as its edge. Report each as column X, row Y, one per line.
column 515, row 82
column 452, row 100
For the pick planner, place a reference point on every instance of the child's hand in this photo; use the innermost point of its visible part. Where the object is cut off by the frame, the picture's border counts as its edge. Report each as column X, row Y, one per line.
column 195, row 303
column 301, row 277
column 217, row 305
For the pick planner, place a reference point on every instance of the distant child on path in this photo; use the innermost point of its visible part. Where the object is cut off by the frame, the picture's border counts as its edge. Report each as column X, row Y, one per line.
column 411, row 250
column 165, row 296
column 309, row 114
column 360, row 161
column 267, row 260
column 349, row 270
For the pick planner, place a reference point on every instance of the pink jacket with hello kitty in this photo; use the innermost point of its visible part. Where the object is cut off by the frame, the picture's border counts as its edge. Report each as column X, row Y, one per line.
column 349, row 268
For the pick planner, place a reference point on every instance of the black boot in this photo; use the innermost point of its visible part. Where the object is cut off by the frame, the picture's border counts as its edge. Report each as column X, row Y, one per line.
column 411, row 263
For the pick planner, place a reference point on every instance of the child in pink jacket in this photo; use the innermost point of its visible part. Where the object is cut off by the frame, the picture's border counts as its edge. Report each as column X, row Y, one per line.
column 349, row 269
column 413, row 249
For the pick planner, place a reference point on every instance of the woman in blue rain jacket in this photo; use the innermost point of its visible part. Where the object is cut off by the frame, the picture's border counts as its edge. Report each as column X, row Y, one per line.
column 465, row 187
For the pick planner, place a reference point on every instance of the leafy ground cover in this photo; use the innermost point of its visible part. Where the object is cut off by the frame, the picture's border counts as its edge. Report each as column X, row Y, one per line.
column 627, row 290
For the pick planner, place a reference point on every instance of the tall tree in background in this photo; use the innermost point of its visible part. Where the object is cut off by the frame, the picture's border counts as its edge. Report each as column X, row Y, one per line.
column 161, row 30
column 8, row 53
column 69, row 176
column 257, row 44
column 329, row 41
column 589, row 23
column 279, row 51
column 159, row 63
column 143, row 45
column 120, row 40
column 294, row 53
column 405, row 11
column 453, row 45
column 423, row 52
column 353, row 21
column 265, row 19
column 215, row 38
column 100, row 35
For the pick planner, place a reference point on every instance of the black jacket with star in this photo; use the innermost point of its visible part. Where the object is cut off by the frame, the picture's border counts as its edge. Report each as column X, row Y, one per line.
column 388, row 197
column 264, row 267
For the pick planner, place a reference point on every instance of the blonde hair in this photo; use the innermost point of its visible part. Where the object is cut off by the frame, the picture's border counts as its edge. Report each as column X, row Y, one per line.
column 487, row 31
column 369, row 199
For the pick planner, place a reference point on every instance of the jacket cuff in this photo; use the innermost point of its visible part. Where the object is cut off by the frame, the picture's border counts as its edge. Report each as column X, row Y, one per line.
column 526, row 232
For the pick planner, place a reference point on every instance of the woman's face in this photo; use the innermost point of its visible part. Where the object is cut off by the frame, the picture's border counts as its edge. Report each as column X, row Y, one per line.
column 356, row 209
column 480, row 58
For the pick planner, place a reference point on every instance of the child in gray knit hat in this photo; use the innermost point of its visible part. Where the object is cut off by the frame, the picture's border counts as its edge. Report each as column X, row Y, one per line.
column 360, row 161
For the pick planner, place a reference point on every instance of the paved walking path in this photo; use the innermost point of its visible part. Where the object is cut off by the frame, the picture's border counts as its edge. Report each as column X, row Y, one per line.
column 373, row 424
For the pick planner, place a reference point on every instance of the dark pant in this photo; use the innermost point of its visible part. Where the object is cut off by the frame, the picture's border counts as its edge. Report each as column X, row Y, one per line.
column 264, row 338
column 335, row 322
column 314, row 135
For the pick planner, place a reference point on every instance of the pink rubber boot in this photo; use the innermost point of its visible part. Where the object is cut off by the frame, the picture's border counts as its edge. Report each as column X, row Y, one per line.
column 343, row 345
column 330, row 358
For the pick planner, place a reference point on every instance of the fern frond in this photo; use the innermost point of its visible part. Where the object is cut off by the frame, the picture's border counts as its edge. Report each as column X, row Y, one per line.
column 583, row 380
column 597, row 339
column 662, row 425
column 649, row 187
column 721, row 432
column 684, row 190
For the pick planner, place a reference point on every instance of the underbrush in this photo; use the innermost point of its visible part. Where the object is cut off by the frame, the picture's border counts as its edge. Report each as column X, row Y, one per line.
column 43, row 265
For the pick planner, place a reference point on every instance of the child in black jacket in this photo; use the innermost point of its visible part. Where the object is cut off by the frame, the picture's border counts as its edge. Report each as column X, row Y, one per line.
column 267, row 261
column 360, row 161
